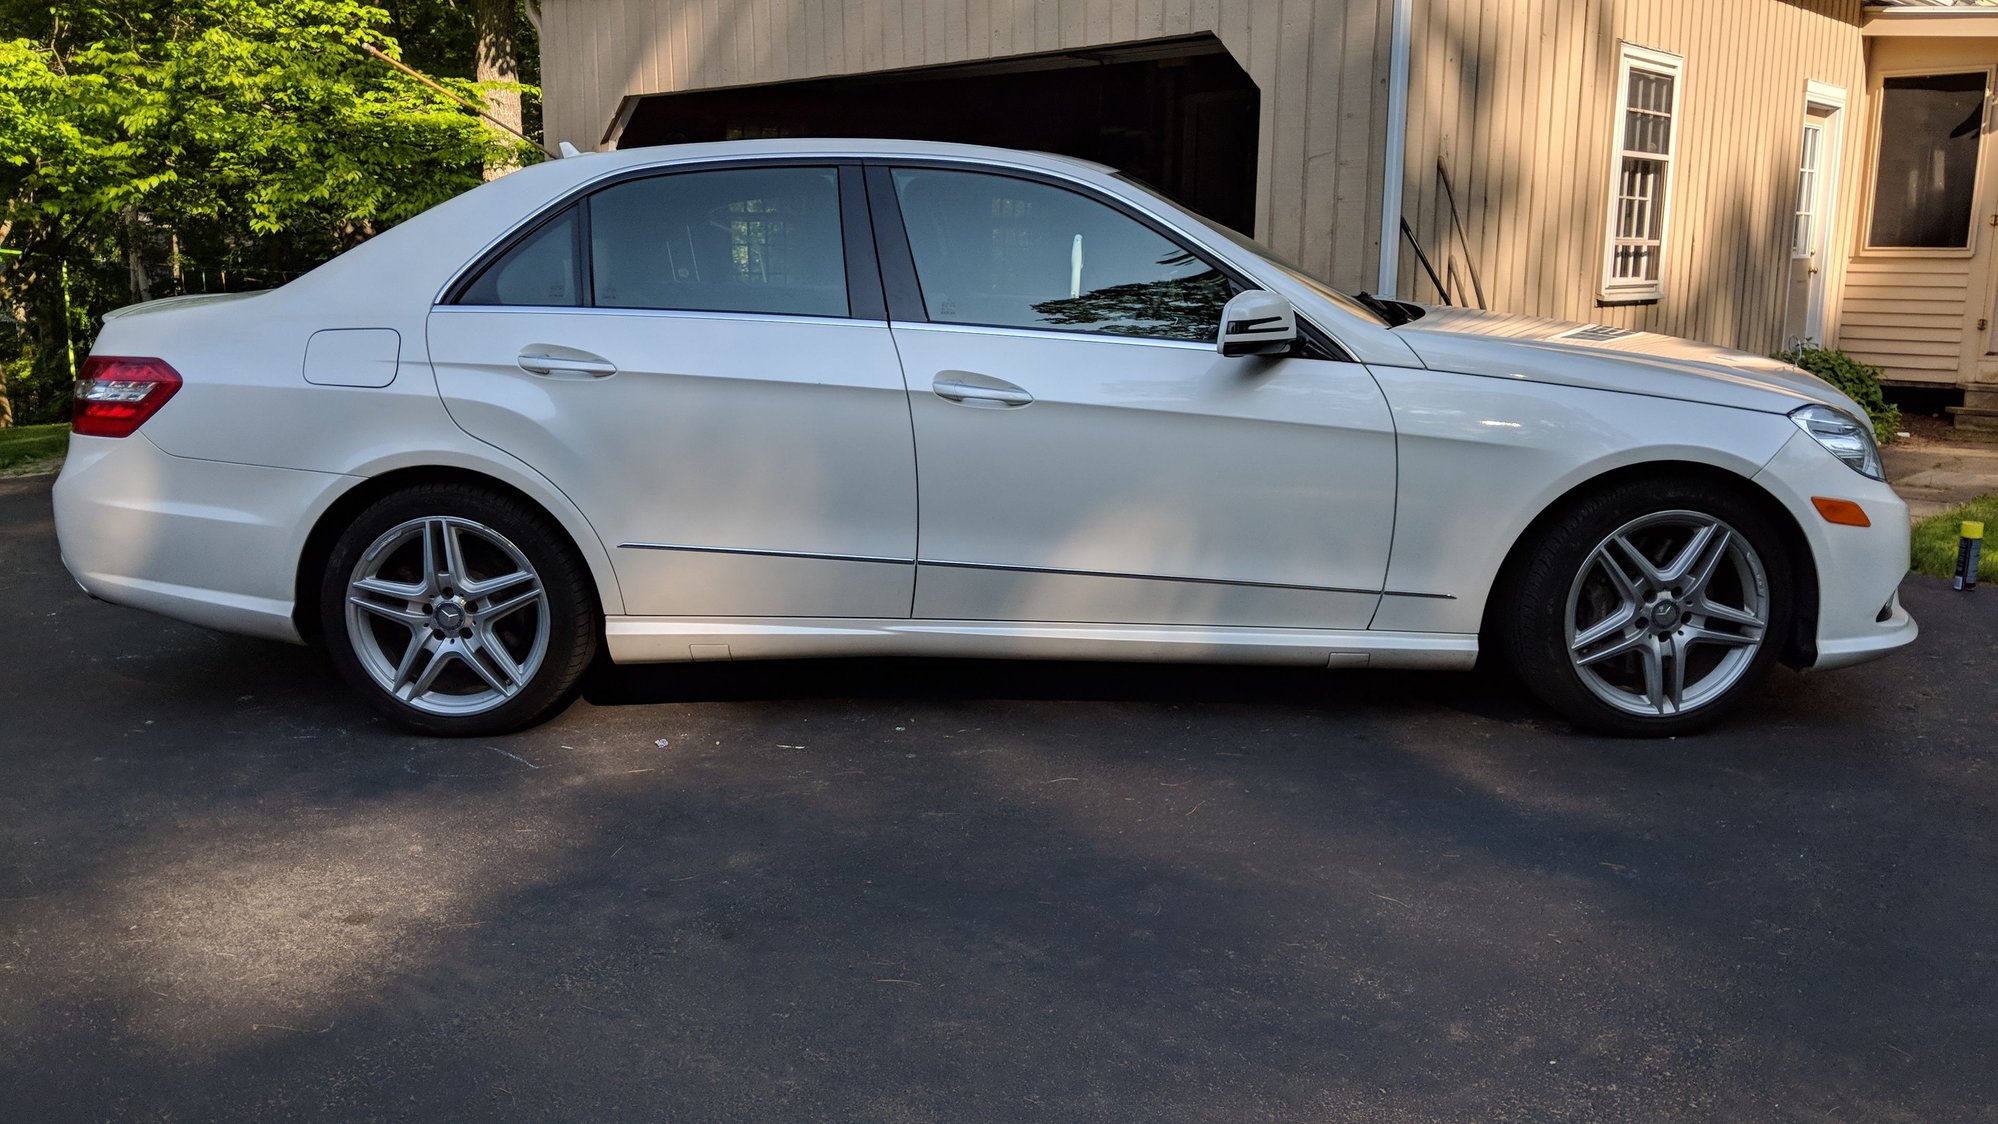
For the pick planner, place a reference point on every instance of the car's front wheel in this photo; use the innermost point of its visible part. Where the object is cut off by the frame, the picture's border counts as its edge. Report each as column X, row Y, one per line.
column 458, row 611
column 1651, row 607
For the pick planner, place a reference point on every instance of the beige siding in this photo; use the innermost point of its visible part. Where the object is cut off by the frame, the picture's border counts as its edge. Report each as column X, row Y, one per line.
column 1514, row 101
column 1917, row 317
column 1907, row 316
column 1320, row 65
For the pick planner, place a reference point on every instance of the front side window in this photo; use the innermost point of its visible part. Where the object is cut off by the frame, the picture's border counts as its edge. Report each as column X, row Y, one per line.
column 1926, row 175
column 1007, row 252
column 1640, row 196
column 758, row 240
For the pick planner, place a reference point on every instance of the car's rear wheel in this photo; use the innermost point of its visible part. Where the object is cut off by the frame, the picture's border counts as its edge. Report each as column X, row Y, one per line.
column 1650, row 608
column 458, row 611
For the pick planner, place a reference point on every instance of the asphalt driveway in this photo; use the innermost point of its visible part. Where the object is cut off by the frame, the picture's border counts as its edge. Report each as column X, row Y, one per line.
column 950, row 891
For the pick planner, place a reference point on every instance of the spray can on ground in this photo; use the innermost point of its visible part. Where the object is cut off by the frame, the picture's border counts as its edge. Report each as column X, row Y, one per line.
column 1967, row 549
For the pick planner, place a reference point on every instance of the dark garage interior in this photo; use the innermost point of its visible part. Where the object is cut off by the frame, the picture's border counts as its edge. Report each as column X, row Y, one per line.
column 1178, row 114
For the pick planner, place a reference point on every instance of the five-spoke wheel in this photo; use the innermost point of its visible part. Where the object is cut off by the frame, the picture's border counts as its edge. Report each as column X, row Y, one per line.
column 458, row 610
column 1667, row 612
column 1649, row 606
column 447, row 615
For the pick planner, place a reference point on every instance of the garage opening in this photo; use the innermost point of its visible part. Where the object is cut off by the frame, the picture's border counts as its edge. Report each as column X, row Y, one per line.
column 1179, row 114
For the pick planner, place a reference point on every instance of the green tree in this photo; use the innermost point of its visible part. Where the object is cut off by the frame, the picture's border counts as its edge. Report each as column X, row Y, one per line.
column 248, row 138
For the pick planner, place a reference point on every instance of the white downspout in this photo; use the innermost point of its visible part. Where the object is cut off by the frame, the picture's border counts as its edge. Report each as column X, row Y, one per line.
column 1397, row 148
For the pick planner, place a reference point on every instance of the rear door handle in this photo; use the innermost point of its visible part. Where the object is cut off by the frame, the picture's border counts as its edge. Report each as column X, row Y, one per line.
column 539, row 361
column 985, row 391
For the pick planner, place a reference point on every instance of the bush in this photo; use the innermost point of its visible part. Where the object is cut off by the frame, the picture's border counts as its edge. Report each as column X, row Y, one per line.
column 1859, row 381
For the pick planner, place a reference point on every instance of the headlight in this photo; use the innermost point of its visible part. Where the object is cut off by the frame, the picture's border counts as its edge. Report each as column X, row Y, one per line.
column 1843, row 436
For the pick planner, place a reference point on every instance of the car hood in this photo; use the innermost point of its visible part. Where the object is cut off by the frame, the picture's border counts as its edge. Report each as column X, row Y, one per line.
column 1614, row 359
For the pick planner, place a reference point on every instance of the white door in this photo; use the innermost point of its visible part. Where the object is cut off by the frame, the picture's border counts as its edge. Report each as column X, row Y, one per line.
column 1086, row 455
column 1817, row 175
column 682, row 356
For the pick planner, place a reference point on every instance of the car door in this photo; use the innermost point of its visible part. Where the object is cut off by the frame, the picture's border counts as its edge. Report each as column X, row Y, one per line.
column 698, row 361
column 1085, row 453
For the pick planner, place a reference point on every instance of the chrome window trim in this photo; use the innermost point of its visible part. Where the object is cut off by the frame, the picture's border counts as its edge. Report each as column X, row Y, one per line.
column 1046, row 333
column 1200, row 241
column 1203, row 239
column 817, row 158
column 671, row 313
column 452, row 289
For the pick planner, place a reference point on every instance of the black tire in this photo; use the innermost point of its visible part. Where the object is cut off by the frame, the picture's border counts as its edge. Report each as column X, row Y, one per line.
column 1532, row 621
column 493, row 675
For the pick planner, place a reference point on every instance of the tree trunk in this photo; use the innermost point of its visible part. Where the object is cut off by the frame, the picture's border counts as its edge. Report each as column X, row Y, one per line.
column 135, row 260
column 492, row 20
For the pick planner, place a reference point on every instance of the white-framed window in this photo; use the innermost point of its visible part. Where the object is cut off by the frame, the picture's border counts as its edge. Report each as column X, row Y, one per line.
column 1640, row 197
column 1803, row 230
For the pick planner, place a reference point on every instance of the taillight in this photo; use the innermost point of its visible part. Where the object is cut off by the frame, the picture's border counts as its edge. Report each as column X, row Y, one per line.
column 115, row 394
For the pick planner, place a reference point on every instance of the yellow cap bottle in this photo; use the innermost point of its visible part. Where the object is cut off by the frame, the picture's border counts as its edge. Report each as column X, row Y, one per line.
column 1969, row 545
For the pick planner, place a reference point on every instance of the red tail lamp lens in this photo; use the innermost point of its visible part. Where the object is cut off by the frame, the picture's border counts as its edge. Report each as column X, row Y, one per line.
column 115, row 394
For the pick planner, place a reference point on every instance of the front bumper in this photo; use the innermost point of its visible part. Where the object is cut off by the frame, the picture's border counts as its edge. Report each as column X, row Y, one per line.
column 208, row 542
column 1859, row 569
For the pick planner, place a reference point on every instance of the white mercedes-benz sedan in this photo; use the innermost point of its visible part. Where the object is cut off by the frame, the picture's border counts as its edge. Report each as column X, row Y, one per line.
column 827, row 398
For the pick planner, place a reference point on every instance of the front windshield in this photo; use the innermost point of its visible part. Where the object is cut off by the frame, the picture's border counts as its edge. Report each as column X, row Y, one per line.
column 1291, row 270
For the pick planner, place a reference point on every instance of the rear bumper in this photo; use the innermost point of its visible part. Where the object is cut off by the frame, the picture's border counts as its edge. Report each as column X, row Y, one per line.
column 1859, row 569
column 208, row 542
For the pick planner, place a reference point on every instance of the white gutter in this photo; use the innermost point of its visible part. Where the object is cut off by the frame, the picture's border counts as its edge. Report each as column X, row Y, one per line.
column 1397, row 149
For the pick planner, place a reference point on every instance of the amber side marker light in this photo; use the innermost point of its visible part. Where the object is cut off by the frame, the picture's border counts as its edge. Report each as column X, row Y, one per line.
column 1843, row 512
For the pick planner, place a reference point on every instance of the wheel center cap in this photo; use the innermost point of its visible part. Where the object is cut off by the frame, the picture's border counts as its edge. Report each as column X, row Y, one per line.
column 1665, row 615
column 448, row 616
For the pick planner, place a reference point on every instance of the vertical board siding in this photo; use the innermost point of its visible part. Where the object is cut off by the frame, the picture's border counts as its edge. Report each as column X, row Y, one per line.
column 1514, row 100
column 1321, row 67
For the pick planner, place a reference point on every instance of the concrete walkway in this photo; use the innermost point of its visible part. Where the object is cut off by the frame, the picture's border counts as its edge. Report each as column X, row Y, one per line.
column 1936, row 475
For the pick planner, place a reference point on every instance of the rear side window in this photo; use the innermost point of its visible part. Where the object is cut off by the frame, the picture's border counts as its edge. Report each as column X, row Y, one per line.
column 542, row 269
column 996, row 250
column 757, row 240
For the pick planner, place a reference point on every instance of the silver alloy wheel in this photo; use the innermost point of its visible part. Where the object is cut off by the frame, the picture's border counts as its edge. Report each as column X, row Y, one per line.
column 1667, row 613
column 447, row 615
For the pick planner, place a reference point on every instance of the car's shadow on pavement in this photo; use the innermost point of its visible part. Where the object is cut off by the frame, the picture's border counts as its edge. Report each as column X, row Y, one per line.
column 1788, row 700
column 942, row 679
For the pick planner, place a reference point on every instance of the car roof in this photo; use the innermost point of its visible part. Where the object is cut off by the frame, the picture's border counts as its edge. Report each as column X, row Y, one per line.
column 593, row 163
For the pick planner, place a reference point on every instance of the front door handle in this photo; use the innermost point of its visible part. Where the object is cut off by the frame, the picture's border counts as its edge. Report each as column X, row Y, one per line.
column 986, row 391
column 544, row 361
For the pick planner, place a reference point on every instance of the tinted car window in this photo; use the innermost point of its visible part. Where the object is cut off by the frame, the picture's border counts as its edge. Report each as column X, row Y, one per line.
column 733, row 240
column 993, row 249
column 540, row 270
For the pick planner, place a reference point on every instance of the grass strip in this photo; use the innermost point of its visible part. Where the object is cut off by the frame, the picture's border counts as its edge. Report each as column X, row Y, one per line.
column 1934, row 544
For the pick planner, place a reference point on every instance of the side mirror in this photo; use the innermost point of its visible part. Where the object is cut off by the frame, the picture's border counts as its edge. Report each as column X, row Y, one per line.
column 1257, row 322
